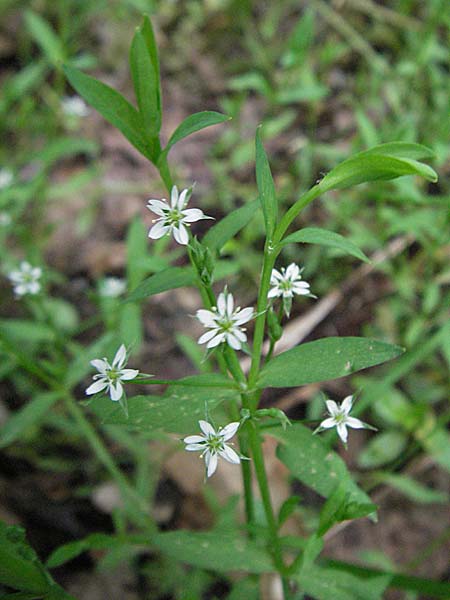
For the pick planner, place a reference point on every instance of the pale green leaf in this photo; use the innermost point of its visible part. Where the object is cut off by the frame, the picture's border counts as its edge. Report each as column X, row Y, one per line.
column 45, row 37
column 324, row 359
column 194, row 123
column 266, row 187
column 145, row 85
column 382, row 449
column 412, row 489
column 323, row 237
column 326, row 584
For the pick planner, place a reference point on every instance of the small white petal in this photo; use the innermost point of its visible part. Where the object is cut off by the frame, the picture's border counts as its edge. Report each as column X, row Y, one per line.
column 221, row 304
column 159, row 207
column 120, row 357
column 355, row 423
column 209, row 335
column 127, row 374
column 346, row 405
column 233, row 341
column 195, row 447
column 191, row 215
column 274, row 292
column 180, row 234
column 230, row 455
column 229, row 430
column 34, row 287
column 97, row 386
column 115, row 390
column 230, row 305
column 239, row 334
column 206, row 317
column 243, row 316
column 211, row 464
column 158, row 230
column 328, row 423
column 207, row 428
column 292, row 272
column 174, row 197
column 218, row 339
column 21, row 289
column 342, row 432
column 194, row 439
column 332, row 407
column 101, row 365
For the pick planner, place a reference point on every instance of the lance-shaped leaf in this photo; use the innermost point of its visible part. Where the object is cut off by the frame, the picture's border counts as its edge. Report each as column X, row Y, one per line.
column 384, row 162
column 146, row 84
column 47, row 39
column 316, row 235
column 152, row 48
column 113, row 106
column 167, row 279
column 194, row 123
column 218, row 235
column 324, row 359
column 177, row 411
column 266, row 187
column 220, row 552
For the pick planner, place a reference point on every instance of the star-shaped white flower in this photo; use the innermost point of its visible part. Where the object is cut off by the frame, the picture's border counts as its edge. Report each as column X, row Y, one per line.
column 288, row 282
column 224, row 323
column 212, row 445
column 341, row 419
column 26, row 279
column 110, row 377
column 6, row 178
column 74, row 106
column 174, row 218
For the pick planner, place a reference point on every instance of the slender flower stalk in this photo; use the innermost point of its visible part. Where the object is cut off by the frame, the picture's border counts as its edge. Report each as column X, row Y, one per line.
column 341, row 419
column 26, row 279
column 110, row 377
column 174, row 218
column 212, row 445
column 224, row 323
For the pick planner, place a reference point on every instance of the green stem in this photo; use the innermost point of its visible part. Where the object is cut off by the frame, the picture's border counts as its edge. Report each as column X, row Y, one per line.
column 294, row 211
column 261, row 476
column 164, row 172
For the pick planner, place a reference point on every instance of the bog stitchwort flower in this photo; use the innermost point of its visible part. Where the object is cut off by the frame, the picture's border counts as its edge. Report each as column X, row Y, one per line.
column 74, row 106
column 5, row 219
column 6, row 178
column 112, row 287
column 212, row 445
column 224, row 322
column 26, row 279
column 174, row 218
column 110, row 377
column 341, row 419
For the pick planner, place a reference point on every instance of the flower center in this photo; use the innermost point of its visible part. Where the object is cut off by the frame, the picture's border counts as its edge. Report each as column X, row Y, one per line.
column 174, row 217
column 113, row 374
column 215, row 443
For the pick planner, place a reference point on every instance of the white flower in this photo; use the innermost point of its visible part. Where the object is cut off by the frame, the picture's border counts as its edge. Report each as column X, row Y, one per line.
column 5, row 219
column 26, row 279
column 110, row 377
column 288, row 282
column 6, row 178
column 112, row 287
column 74, row 106
column 341, row 419
column 212, row 445
column 224, row 323
column 175, row 217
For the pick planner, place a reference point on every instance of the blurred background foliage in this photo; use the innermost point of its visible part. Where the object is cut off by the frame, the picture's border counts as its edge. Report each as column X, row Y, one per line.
column 326, row 79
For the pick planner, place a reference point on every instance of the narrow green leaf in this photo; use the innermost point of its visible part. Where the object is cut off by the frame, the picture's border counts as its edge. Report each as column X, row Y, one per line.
column 152, row 48
column 113, row 106
column 325, row 583
column 266, row 187
column 412, row 489
column 194, row 123
column 229, row 226
column 24, row 331
column 45, row 37
column 324, row 359
column 371, row 165
column 177, row 411
column 314, row 464
column 145, row 85
column 30, row 415
column 403, row 150
column 168, row 279
column 67, row 552
column 382, row 449
column 213, row 551
column 316, row 235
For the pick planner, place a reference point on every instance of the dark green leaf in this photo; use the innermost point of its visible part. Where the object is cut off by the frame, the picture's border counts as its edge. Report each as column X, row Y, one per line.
column 194, row 123
column 380, row 163
column 152, row 48
column 177, row 411
column 209, row 550
column 266, row 187
column 28, row 416
column 229, row 226
column 146, row 85
column 20, row 567
column 113, row 106
column 314, row 464
column 287, row 508
column 315, row 235
column 324, row 359
column 168, row 279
